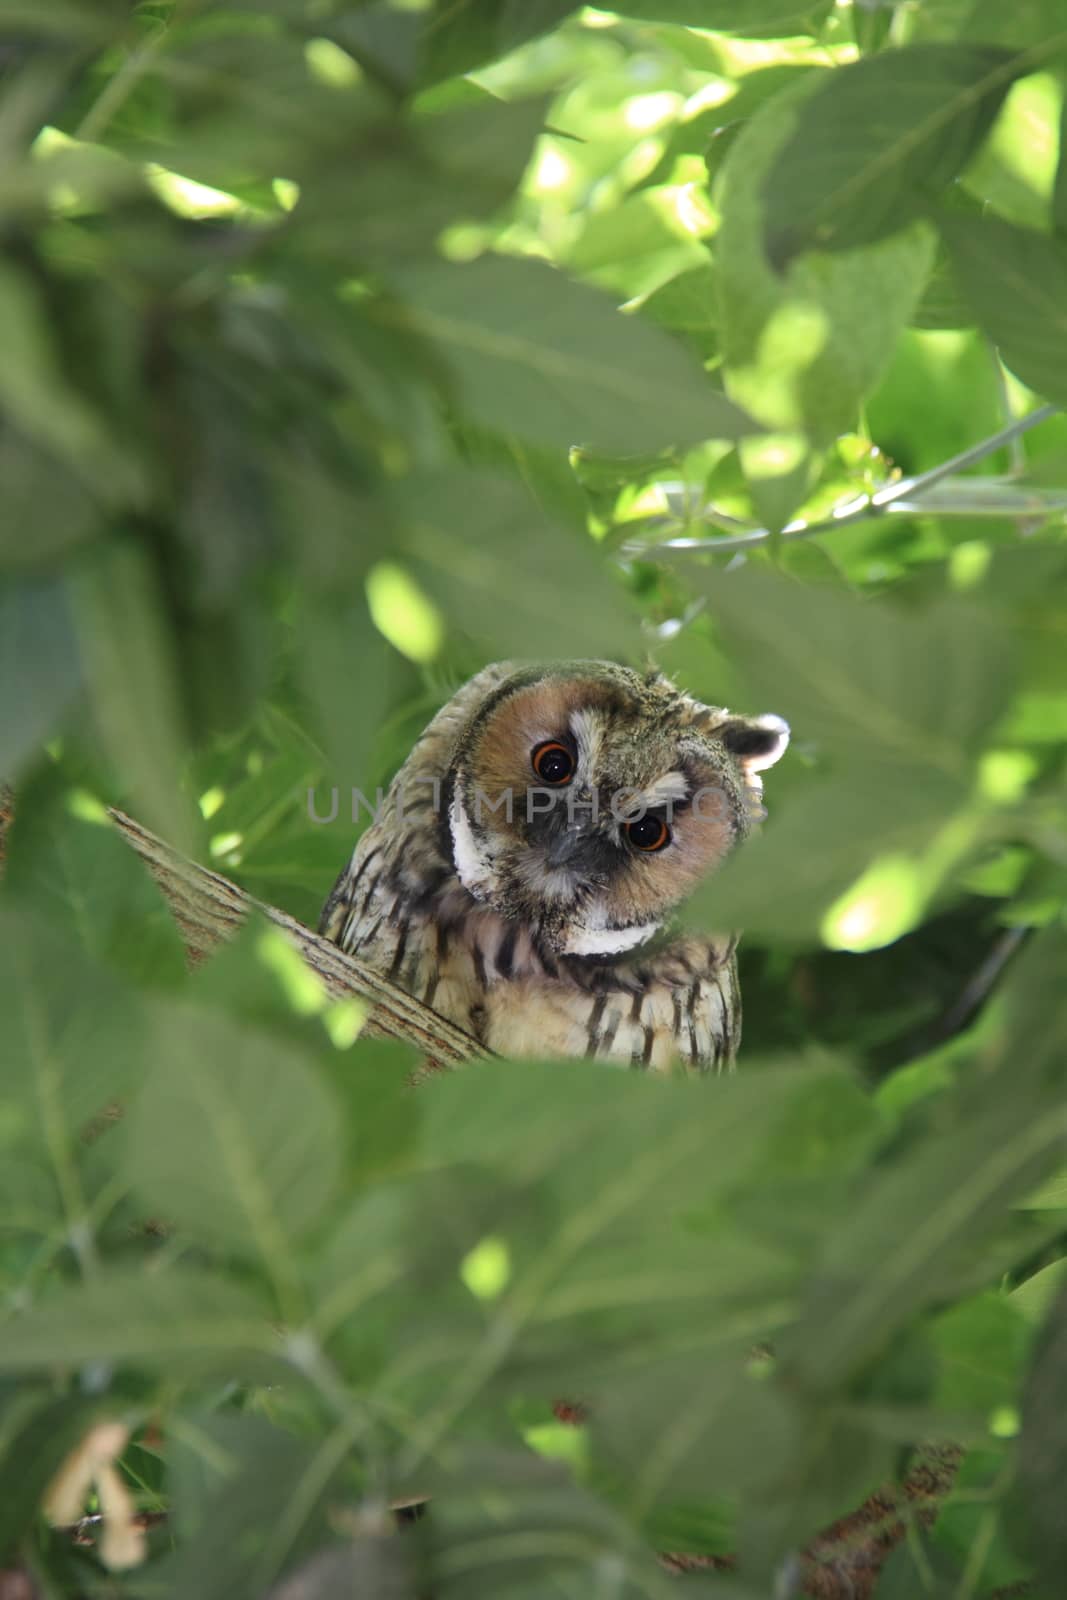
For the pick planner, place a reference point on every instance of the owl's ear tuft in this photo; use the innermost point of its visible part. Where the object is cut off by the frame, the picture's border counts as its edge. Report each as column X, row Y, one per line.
column 757, row 742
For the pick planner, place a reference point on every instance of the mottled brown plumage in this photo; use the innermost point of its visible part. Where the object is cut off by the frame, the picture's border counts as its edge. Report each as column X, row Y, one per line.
column 532, row 849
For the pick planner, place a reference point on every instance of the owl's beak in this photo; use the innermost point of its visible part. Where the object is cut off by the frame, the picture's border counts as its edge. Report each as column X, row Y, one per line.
column 569, row 843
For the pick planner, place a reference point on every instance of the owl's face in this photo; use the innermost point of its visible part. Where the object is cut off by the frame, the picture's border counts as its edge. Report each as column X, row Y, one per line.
column 587, row 800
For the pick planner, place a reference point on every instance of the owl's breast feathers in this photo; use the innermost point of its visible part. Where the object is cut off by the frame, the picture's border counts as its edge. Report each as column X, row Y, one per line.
column 403, row 905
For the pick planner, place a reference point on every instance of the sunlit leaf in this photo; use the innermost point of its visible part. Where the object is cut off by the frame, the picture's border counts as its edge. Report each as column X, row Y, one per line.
column 804, row 348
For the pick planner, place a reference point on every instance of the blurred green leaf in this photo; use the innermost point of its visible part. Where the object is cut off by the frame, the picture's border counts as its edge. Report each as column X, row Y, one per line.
column 815, row 848
column 132, row 680
column 1016, row 282
column 508, row 573
column 70, row 1047
column 234, row 1137
column 804, row 349
column 753, row 18
column 377, row 1566
column 179, row 1318
column 37, row 396
column 1043, row 1450
column 876, row 142
column 552, row 361
column 923, row 1208
column 874, row 682
column 250, row 1495
column 1029, row 24
column 454, row 38
column 39, row 667
column 88, row 881
column 1059, row 194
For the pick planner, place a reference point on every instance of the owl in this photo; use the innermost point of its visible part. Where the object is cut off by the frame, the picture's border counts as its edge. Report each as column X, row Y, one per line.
column 521, row 875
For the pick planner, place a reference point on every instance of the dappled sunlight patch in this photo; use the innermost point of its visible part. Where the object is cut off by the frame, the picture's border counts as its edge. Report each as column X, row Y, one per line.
column 881, row 906
column 402, row 613
column 302, row 988
column 486, row 1270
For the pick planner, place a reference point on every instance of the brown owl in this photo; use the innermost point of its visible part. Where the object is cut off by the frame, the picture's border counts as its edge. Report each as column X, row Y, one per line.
column 531, row 850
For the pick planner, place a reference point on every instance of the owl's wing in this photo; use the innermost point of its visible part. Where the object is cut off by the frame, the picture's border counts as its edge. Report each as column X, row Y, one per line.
column 352, row 899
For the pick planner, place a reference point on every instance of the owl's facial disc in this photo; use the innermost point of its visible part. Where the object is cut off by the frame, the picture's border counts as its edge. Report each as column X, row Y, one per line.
column 549, row 855
column 538, row 825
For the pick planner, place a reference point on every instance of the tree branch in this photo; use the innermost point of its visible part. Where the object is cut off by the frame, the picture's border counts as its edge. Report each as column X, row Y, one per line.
column 209, row 909
column 906, row 497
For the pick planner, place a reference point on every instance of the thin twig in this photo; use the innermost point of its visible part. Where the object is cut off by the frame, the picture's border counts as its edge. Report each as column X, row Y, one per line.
column 980, row 985
column 904, row 496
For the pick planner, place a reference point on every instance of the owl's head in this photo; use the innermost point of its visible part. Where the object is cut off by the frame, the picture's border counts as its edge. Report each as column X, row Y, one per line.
column 587, row 800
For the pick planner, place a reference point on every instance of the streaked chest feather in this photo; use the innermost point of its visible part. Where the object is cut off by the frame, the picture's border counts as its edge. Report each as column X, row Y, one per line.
column 491, row 977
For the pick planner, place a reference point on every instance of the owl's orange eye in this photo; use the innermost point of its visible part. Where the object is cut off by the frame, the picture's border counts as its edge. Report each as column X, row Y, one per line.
column 648, row 833
column 553, row 762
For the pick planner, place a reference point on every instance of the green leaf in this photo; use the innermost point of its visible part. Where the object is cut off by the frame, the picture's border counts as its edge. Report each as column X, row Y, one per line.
column 234, row 1137
column 1059, row 193
column 1043, row 1449
column 512, row 1527
column 922, row 1211
column 376, row 1565
column 506, row 572
column 802, row 350
column 151, row 1318
column 686, row 304
column 873, row 682
column 339, row 652
column 817, row 845
column 83, row 876
column 39, row 668
column 981, row 1346
column 36, row 395
column 249, row 1496
column 409, row 180
column 43, row 492
column 454, row 37
column 1016, row 283
column 533, row 354
column 630, row 1171
column 751, row 18
column 877, row 142
column 1025, row 25
column 73, row 1034
column 636, row 246
column 131, row 670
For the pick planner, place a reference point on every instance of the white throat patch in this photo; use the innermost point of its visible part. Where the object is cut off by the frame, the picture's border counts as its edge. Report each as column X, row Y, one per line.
column 607, row 941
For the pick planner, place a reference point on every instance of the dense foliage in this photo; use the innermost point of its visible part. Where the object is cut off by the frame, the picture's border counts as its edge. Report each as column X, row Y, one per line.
column 343, row 348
